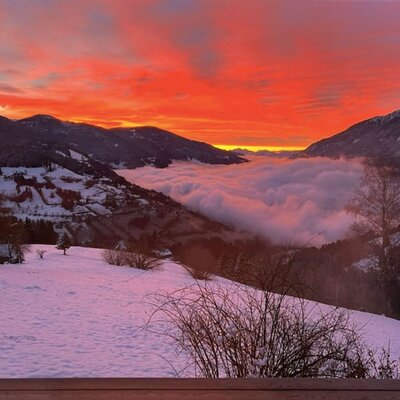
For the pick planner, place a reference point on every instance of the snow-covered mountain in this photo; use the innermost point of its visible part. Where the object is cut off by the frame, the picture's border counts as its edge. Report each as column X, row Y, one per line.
column 118, row 147
column 377, row 137
column 46, row 172
column 23, row 147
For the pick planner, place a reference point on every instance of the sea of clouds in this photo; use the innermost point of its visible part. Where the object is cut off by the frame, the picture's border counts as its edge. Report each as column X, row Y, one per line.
column 289, row 201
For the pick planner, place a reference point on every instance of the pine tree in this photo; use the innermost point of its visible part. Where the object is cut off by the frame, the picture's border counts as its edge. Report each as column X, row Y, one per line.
column 29, row 231
column 63, row 243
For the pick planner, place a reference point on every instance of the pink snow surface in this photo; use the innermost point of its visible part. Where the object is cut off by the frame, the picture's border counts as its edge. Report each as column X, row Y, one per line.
column 75, row 315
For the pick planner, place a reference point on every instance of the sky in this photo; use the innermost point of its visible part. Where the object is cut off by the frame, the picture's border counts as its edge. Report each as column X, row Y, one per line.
column 273, row 74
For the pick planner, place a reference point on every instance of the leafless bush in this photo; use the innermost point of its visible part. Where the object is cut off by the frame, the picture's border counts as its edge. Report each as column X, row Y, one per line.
column 16, row 249
column 40, row 253
column 384, row 366
column 114, row 257
column 131, row 259
column 238, row 331
column 198, row 274
column 267, row 329
column 141, row 261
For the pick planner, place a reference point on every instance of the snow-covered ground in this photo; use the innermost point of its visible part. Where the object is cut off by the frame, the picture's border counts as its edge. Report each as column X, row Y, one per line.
column 44, row 187
column 75, row 315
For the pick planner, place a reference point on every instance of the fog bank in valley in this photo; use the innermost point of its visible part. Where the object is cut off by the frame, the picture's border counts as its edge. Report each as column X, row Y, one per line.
column 283, row 200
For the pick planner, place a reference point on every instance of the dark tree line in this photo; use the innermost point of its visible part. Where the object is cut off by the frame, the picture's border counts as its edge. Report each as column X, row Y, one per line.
column 28, row 231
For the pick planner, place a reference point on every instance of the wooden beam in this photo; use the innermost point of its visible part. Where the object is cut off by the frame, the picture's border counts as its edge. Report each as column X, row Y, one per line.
column 210, row 389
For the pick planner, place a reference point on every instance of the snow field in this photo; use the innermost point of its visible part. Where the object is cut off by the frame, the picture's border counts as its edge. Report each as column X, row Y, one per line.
column 76, row 316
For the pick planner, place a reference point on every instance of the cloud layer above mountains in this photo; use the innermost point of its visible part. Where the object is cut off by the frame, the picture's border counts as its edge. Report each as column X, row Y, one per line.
column 233, row 72
column 284, row 200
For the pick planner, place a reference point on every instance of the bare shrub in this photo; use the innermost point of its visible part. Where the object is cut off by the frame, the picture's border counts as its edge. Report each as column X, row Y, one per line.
column 198, row 274
column 384, row 366
column 114, row 257
column 242, row 332
column 40, row 253
column 131, row 259
column 239, row 331
column 141, row 261
column 16, row 249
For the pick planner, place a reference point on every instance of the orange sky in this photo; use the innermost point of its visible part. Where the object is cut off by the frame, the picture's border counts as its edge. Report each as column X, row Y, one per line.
column 231, row 72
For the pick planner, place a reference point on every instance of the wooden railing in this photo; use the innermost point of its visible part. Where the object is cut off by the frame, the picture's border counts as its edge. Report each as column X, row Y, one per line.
column 199, row 389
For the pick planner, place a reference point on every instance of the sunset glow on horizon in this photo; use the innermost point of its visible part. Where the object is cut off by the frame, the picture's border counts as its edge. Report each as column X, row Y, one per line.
column 255, row 74
column 259, row 148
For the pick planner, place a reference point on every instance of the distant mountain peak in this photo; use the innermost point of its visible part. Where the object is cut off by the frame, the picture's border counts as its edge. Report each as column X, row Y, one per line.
column 37, row 120
column 40, row 117
column 4, row 119
column 45, row 117
column 389, row 117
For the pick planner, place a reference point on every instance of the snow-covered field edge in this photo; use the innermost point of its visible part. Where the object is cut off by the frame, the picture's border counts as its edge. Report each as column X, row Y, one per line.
column 77, row 316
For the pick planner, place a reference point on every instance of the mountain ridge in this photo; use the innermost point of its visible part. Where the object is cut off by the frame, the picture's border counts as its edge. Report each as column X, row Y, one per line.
column 118, row 147
column 44, row 175
column 377, row 137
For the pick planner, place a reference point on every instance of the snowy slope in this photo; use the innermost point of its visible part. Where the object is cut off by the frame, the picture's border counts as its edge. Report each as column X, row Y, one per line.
column 95, row 208
column 44, row 187
column 47, row 189
column 75, row 315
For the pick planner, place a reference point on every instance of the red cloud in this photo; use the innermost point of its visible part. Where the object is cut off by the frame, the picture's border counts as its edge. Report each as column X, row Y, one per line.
column 228, row 72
